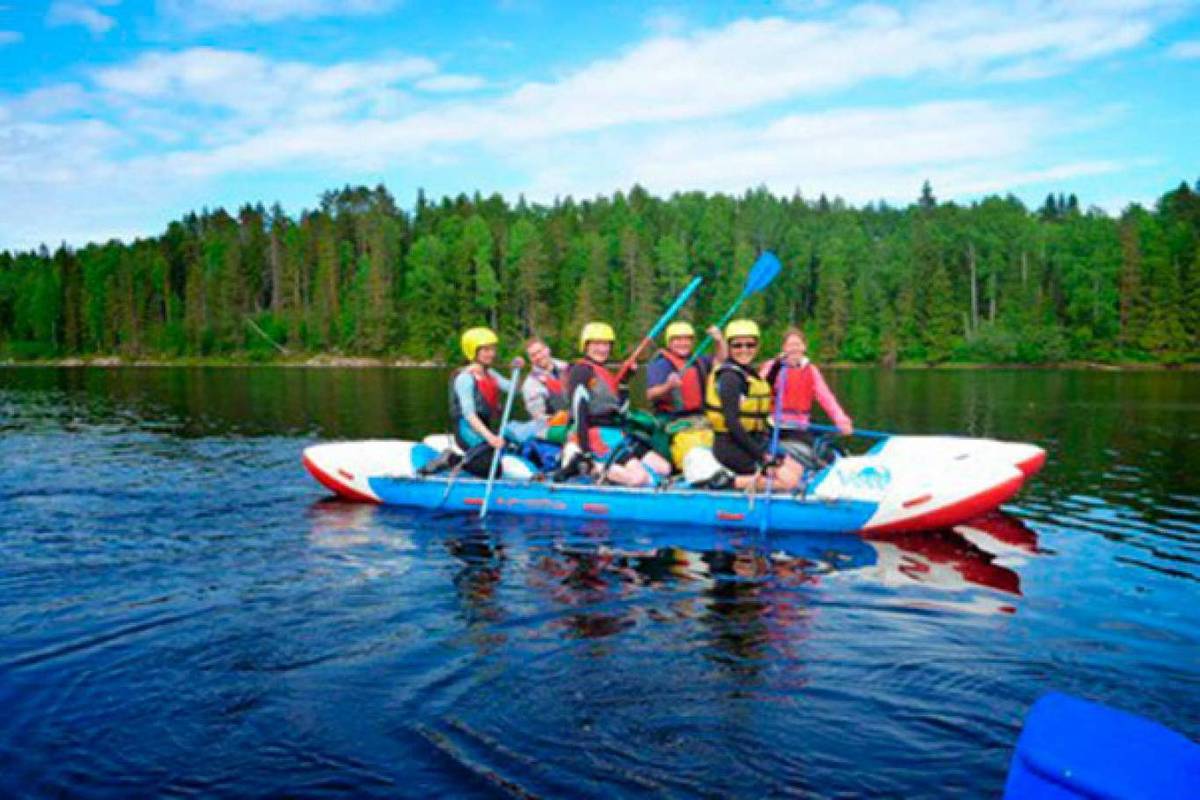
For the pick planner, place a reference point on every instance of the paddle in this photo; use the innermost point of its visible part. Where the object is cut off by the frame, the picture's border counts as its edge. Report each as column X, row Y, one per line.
column 508, row 404
column 779, row 392
column 648, row 340
column 761, row 274
column 458, row 470
column 856, row 432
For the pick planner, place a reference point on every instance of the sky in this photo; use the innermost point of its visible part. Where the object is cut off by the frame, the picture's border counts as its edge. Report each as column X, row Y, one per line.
column 118, row 116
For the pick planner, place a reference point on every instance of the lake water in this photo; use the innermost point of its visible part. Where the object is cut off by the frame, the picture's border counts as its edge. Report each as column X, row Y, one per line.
column 185, row 612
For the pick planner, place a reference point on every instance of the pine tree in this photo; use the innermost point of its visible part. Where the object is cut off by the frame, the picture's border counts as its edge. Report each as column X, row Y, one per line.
column 382, row 245
column 478, row 244
column 325, row 310
column 72, row 299
column 926, row 202
column 939, row 316
column 593, row 302
column 195, row 302
column 671, row 258
column 1190, row 318
column 639, row 282
column 1163, row 333
column 833, row 311
column 1130, row 287
column 528, row 264
column 431, row 329
column 872, row 282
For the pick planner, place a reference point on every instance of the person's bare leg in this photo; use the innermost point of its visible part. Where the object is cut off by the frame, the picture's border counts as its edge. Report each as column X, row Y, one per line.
column 788, row 475
column 746, row 482
column 631, row 473
column 657, row 463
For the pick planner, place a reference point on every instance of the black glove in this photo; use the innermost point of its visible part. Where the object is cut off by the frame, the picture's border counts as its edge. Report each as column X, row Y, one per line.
column 769, row 461
column 580, row 464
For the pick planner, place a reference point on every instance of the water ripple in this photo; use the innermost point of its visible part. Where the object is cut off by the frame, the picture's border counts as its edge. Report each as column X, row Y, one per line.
column 186, row 615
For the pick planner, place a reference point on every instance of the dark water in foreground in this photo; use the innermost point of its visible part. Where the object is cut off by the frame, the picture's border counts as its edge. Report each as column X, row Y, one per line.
column 183, row 613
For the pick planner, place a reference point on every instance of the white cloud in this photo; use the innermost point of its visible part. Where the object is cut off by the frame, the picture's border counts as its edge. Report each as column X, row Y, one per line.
column 1185, row 50
column 722, row 108
column 207, row 14
column 80, row 12
column 10, row 37
column 665, row 22
column 860, row 154
column 451, row 83
column 48, row 153
column 46, row 102
column 255, row 92
column 751, row 63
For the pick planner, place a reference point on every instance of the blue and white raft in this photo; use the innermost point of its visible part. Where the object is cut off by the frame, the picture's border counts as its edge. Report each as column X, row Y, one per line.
column 904, row 483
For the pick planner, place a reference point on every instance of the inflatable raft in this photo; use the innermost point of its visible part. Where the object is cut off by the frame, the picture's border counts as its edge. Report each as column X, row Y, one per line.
column 904, row 483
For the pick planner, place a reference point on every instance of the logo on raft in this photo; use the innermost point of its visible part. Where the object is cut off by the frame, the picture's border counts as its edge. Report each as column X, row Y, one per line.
column 869, row 478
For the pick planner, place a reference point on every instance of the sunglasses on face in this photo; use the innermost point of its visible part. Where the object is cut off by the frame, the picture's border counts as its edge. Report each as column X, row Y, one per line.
column 743, row 345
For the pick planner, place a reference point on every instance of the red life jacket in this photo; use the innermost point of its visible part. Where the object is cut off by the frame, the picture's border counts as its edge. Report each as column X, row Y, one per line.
column 602, row 373
column 489, row 389
column 557, row 401
column 691, row 390
column 798, row 394
column 487, row 397
column 606, row 393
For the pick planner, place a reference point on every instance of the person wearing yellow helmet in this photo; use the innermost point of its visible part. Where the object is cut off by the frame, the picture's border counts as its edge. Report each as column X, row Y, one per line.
column 596, row 405
column 475, row 407
column 673, row 388
column 738, row 404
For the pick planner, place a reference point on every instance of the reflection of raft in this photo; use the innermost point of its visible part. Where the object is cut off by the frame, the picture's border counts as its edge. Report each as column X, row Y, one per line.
column 903, row 483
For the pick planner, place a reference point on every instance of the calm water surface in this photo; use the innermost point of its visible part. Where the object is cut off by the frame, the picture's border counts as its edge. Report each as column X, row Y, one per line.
column 185, row 612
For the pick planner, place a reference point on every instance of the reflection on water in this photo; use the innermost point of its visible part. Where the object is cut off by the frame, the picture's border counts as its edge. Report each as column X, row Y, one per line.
column 186, row 613
column 983, row 553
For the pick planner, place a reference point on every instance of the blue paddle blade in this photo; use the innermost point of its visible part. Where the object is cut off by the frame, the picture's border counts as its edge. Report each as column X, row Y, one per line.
column 762, row 273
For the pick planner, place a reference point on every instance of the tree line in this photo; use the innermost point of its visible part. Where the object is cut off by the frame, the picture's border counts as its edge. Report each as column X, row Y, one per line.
column 989, row 281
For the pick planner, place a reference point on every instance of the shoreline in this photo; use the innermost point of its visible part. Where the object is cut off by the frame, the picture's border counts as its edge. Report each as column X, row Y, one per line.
column 313, row 362
column 326, row 361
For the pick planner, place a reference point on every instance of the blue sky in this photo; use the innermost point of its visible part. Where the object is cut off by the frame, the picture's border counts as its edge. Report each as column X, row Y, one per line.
column 117, row 116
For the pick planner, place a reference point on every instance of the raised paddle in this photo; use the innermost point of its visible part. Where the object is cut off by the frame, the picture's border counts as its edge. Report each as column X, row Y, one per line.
column 508, row 404
column 761, row 274
column 648, row 340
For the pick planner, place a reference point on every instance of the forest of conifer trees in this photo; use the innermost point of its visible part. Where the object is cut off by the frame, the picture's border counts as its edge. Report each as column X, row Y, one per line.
column 934, row 282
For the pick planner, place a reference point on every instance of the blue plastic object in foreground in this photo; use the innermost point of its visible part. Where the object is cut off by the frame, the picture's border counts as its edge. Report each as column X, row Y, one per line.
column 1071, row 748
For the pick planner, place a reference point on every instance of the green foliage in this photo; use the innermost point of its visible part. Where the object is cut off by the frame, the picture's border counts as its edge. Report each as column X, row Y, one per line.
column 429, row 298
column 990, row 281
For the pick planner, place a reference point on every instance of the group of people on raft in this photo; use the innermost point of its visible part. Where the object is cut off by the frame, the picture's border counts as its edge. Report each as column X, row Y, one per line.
column 712, row 420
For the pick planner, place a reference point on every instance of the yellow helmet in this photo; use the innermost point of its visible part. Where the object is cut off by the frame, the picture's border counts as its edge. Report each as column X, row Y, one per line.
column 475, row 338
column 680, row 329
column 596, row 332
column 742, row 328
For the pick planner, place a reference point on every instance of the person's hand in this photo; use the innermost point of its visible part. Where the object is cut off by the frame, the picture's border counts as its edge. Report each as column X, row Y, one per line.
column 517, row 363
column 673, row 381
column 846, row 428
column 714, row 332
column 497, row 442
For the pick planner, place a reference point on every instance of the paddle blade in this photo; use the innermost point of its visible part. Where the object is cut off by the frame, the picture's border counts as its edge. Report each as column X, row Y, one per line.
column 765, row 269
